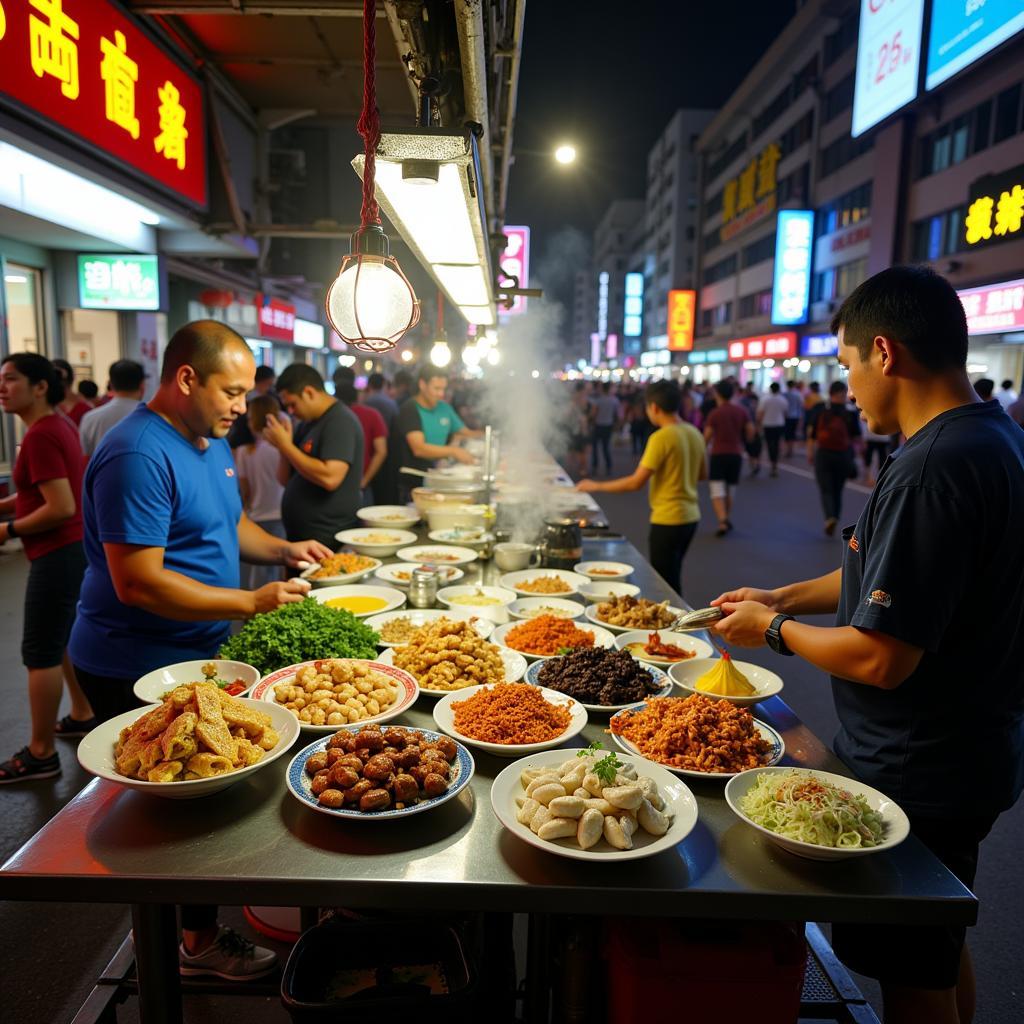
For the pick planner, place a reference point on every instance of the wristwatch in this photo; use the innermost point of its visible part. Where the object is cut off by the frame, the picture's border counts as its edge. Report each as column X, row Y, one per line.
column 773, row 635
column 11, row 531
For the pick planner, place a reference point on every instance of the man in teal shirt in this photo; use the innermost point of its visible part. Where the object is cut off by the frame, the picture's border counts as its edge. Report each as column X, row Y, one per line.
column 427, row 426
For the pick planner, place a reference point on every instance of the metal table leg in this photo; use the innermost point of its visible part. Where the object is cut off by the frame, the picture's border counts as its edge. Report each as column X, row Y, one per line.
column 156, row 960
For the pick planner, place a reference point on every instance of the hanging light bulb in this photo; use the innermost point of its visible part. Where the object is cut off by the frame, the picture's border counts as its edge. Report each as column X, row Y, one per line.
column 494, row 357
column 371, row 304
column 471, row 356
column 441, row 353
column 407, row 356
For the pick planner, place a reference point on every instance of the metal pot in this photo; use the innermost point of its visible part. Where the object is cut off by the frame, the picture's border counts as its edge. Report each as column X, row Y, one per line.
column 561, row 543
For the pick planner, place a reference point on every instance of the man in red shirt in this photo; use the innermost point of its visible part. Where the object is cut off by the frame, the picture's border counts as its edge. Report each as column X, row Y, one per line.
column 727, row 429
column 48, row 518
column 375, row 430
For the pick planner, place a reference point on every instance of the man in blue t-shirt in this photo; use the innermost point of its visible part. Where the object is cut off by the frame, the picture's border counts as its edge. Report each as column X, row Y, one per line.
column 426, row 428
column 932, row 574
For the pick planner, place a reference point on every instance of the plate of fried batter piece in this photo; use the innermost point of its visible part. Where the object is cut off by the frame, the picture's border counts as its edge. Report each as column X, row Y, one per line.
column 197, row 741
column 379, row 772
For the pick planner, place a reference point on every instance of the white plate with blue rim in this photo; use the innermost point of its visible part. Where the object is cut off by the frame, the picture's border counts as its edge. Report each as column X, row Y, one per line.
column 776, row 747
column 300, row 782
column 659, row 679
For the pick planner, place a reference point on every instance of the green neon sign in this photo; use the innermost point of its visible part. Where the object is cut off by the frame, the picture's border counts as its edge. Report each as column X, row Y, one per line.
column 118, row 282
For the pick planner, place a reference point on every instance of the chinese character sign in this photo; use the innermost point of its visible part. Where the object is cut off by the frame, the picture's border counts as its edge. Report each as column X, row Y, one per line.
column 760, row 346
column 750, row 196
column 515, row 261
column 791, row 288
column 633, row 306
column 682, row 304
column 995, row 210
column 88, row 69
column 276, row 318
column 118, row 282
column 994, row 308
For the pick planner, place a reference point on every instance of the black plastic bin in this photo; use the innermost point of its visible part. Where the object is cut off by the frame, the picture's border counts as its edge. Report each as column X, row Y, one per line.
column 310, row 986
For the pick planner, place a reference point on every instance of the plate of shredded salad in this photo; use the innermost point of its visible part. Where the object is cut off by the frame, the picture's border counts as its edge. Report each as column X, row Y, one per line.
column 816, row 814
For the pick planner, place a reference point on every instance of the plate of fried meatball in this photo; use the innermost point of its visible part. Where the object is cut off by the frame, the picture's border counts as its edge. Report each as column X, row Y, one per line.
column 379, row 772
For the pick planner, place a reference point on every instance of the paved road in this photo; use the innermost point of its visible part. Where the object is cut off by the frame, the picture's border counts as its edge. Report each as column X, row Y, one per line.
column 778, row 538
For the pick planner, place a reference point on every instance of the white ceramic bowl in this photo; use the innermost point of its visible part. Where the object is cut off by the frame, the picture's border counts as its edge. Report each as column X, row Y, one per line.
column 438, row 554
column 686, row 673
column 444, row 716
column 153, row 685
column 392, row 598
column 340, row 578
column 676, row 794
column 526, row 607
column 515, row 580
column 356, row 539
column 594, row 590
column 604, row 571
column 443, row 517
column 96, row 755
column 408, row 691
column 504, row 596
column 686, row 641
column 393, row 574
column 602, row 638
column 467, row 537
column 590, row 612
column 777, row 748
column 514, row 663
column 894, row 820
column 421, row 616
column 389, row 517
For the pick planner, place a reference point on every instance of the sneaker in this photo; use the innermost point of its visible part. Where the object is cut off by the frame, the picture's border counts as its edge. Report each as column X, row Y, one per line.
column 830, row 526
column 24, row 766
column 73, row 728
column 229, row 956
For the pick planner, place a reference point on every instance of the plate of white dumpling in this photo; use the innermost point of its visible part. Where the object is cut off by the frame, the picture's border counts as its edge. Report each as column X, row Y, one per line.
column 593, row 804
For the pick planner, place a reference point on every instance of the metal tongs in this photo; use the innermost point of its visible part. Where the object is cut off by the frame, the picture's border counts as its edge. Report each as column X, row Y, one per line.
column 697, row 620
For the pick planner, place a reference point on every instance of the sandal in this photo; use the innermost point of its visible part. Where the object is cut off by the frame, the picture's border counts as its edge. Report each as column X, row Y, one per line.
column 73, row 728
column 24, row 766
column 722, row 530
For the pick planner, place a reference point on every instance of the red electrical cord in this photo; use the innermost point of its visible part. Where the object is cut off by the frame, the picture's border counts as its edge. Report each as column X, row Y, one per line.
column 369, row 119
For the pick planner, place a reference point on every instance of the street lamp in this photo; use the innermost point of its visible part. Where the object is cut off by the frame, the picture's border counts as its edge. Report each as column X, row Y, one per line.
column 565, row 154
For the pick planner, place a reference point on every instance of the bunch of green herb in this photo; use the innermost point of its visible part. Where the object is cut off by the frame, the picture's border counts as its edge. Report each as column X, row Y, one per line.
column 607, row 767
column 304, row 631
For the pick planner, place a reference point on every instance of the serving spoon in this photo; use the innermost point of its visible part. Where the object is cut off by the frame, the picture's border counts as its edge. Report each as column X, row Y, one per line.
column 696, row 620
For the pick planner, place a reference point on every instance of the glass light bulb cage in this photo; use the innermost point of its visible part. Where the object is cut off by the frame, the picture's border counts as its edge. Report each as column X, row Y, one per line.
column 376, row 333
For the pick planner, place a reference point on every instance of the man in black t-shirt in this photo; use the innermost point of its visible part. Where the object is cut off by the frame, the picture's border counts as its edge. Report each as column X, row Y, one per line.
column 932, row 574
column 831, row 428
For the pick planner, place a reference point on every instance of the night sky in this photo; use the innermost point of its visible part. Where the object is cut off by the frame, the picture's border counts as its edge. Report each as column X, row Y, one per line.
column 608, row 76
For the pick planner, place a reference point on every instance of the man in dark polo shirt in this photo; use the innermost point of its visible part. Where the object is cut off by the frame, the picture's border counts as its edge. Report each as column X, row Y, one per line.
column 321, row 463
column 932, row 580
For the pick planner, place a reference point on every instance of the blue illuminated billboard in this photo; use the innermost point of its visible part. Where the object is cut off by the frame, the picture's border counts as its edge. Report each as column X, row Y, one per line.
column 964, row 30
column 791, row 289
column 633, row 307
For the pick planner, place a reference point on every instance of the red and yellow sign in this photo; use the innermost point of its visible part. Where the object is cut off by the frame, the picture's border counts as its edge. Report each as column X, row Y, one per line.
column 682, row 305
column 780, row 345
column 86, row 68
column 751, row 196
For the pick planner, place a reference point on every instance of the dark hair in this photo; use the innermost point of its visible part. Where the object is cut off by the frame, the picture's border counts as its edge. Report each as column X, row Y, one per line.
column 403, row 379
column 264, row 373
column 725, row 389
column 1006, row 384
column 814, row 386
column 346, row 391
column 664, row 394
column 984, row 387
column 38, row 368
column 299, row 376
column 429, row 372
column 376, row 381
column 836, row 386
column 126, row 375
column 790, row 383
column 65, row 371
column 774, row 387
column 911, row 305
column 200, row 345
column 343, row 375
column 262, row 406
column 88, row 389
column 606, row 386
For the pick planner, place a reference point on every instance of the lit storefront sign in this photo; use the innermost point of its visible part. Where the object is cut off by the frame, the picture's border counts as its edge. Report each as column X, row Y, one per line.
column 118, row 282
column 762, row 346
column 602, row 305
column 595, row 349
column 750, row 197
column 94, row 74
column 682, row 306
column 515, row 261
column 711, row 355
column 994, row 308
column 276, row 318
column 612, row 346
column 963, row 30
column 662, row 357
column 633, row 308
column 996, row 208
column 819, row 345
column 791, row 289
column 309, row 334
column 888, row 56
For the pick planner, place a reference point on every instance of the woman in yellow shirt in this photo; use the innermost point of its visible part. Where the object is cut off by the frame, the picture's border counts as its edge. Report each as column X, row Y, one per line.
column 673, row 461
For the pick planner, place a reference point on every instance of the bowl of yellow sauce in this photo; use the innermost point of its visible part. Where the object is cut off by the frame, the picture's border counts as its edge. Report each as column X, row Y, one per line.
column 475, row 596
column 359, row 599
